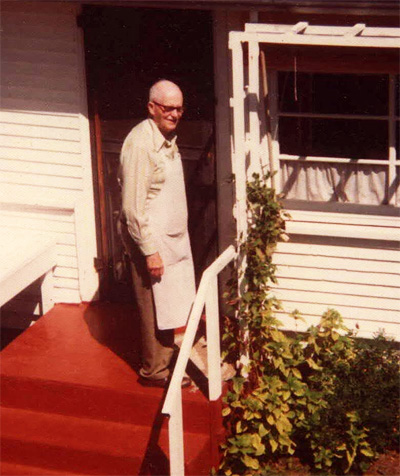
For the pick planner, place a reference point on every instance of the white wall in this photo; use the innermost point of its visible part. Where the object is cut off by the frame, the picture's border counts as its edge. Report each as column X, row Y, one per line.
column 45, row 162
column 362, row 283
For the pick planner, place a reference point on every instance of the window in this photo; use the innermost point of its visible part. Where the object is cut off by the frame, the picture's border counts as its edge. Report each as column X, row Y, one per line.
column 338, row 136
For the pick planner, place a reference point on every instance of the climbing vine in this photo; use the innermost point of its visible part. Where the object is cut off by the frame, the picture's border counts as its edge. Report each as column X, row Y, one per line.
column 285, row 398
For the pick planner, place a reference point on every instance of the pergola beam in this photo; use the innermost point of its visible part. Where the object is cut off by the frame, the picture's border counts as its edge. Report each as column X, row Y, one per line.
column 303, row 34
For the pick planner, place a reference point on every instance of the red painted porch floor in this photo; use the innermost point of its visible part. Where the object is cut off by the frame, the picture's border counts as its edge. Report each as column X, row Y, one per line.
column 71, row 404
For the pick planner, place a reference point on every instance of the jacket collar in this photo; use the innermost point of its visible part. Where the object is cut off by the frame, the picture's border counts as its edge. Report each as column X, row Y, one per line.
column 159, row 141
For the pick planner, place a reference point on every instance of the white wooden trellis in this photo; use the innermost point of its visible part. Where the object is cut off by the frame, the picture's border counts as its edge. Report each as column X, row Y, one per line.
column 246, row 121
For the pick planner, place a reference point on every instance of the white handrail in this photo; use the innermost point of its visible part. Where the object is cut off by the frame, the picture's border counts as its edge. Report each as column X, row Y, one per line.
column 207, row 295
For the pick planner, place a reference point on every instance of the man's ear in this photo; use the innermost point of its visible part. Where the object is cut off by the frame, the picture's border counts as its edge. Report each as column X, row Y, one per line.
column 150, row 108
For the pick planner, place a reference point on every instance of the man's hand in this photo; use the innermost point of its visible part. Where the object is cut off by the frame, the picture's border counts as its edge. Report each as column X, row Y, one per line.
column 155, row 265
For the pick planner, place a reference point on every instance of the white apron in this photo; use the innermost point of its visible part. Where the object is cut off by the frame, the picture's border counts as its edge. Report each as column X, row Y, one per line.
column 174, row 293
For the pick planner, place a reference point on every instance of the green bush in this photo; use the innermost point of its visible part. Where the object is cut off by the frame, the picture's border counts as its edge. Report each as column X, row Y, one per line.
column 324, row 396
column 373, row 382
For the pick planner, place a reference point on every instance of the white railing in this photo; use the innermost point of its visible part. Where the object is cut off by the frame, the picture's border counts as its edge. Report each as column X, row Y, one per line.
column 207, row 295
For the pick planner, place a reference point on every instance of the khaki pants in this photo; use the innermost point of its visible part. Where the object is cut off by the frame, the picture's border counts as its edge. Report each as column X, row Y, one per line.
column 157, row 346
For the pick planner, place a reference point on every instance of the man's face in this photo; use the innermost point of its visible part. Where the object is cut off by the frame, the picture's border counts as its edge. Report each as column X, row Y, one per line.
column 167, row 112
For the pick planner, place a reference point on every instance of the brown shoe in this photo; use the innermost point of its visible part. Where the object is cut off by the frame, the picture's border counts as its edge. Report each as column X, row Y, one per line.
column 151, row 382
column 162, row 382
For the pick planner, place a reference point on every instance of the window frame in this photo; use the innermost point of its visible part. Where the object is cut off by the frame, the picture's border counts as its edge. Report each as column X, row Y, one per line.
column 392, row 161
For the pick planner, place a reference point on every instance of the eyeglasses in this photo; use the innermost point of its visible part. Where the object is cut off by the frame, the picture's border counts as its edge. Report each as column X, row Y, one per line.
column 167, row 109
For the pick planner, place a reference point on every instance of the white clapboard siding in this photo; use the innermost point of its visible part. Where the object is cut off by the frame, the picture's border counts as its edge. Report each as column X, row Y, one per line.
column 343, row 231
column 67, row 121
column 51, row 131
column 37, row 73
column 61, row 96
column 352, row 252
column 315, row 310
column 67, row 251
column 36, row 104
column 38, row 143
column 60, row 225
column 66, row 272
column 38, row 180
column 362, row 283
column 344, row 225
column 21, row 225
column 375, row 289
column 343, row 276
column 56, row 170
column 341, row 264
column 336, row 299
column 43, row 135
column 14, row 42
column 67, row 295
column 66, row 261
column 361, row 327
column 44, row 156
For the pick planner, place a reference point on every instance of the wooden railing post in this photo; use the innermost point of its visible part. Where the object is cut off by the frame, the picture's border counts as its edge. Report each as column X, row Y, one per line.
column 175, row 436
column 213, row 345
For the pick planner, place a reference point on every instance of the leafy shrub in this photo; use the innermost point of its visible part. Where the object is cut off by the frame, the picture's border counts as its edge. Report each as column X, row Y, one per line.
column 372, row 381
column 323, row 396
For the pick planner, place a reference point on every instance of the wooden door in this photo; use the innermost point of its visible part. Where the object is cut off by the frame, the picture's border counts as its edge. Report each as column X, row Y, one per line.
column 127, row 50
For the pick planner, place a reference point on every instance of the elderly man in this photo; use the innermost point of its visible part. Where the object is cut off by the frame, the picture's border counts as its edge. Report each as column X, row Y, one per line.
column 154, row 230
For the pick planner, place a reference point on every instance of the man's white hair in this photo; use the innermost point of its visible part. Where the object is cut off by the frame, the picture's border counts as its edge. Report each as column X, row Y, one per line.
column 157, row 90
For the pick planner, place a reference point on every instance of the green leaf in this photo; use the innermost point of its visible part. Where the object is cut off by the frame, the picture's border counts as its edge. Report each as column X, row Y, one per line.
column 367, row 452
column 226, row 411
column 296, row 373
column 238, row 384
column 262, row 431
column 250, row 462
column 233, row 450
column 239, row 428
column 277, row 362
column 257, row 444
column 280, row 427
column 274, row 445
column 313, row 364
column 286, row 395
column 335, row 336
column 270, row 419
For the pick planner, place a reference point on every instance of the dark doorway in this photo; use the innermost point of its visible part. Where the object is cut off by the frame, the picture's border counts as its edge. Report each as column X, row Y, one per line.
column 127, row 50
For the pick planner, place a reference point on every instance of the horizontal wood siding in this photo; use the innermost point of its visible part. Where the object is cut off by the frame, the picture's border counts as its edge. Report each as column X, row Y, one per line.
column 362, row 283
column 41, row 130
column 61, row 225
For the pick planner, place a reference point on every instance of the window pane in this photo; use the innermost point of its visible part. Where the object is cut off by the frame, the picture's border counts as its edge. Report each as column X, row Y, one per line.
column 397, row 95
column 333, row 93
column 356, row 139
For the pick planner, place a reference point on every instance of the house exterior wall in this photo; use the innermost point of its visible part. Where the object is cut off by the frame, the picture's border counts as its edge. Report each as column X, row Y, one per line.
column 350, row 262
column 360, row 282
column 45, row 162
column 340, row 256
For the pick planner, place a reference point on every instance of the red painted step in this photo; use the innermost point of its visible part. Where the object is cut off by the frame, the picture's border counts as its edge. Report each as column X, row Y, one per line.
column 139, row 407
column 87, row 446
column 14, row 469
column 71, row 403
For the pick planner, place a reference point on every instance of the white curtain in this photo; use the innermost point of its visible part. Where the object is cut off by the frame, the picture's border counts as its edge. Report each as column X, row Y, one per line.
column 328, row 182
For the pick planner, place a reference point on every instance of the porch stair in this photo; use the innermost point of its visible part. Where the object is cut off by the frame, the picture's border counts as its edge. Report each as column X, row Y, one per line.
column 71, row 404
